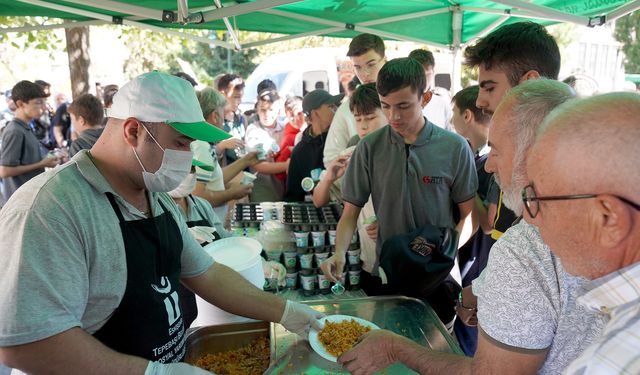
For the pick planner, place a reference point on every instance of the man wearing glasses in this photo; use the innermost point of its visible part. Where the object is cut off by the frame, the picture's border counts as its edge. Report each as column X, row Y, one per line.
column 587, row 210
column 528, row 318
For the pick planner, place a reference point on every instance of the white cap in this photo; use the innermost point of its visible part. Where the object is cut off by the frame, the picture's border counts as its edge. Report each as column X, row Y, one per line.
column 160, row 97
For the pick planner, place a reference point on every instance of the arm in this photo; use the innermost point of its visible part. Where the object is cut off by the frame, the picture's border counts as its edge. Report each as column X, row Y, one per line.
column 72, row 351
column 378, row 349
column 218, row 198
column 335, row 170
column 269, row 167
column 7, row 171
column 346, row 227
column 233, row 293
column 232, row 170
column 57, row 133
column 464, row 226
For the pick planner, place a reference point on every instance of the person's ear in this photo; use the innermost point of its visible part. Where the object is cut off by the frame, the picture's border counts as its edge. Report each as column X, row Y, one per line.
column 426, row 98
column 531, row 74
column 132, row 131
column 19, row 103
column 468, row 116
column 613, row 221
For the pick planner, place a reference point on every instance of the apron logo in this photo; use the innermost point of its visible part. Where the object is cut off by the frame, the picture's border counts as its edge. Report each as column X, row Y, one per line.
column 165, row 286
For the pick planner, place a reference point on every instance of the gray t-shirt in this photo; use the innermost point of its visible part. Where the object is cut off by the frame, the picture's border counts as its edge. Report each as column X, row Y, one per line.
column 206, row 212
column 410, row 192
column 63, row 258
column 19, row 146
column 526, row 301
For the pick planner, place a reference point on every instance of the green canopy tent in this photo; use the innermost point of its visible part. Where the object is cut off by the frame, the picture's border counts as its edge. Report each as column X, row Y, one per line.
column 446, row 24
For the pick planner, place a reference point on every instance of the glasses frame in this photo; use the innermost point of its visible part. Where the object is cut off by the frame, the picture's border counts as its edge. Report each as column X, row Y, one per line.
column 526, row 200
column 367, row 68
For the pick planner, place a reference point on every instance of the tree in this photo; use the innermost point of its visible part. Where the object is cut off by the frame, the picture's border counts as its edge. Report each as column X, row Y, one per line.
column 79, row 61
column 627, row 32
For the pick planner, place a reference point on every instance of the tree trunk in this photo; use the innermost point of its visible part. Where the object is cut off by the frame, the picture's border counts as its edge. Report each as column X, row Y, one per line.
column 79, row 60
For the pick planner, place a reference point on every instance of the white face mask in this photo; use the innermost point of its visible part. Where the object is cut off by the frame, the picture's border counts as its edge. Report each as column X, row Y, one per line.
column 175, row 166
column 185, row 188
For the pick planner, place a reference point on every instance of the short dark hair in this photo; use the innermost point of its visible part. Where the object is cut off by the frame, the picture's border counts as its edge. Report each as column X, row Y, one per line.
column 399, row 73
column 354, row 83
column 187, row 78
column 42, row 83
column 466, row 99
column 230, row 80
column 364, row 100
column 424, row 57
column 362, row 43
column 293, row 103
column 89, row 108
column 266, row 84
column 107, row 94
column 516, row 49
column 27, row 90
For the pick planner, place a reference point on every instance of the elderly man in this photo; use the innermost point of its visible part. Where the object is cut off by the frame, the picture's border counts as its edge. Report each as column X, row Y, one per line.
column 90, row 273
column 587, row 208
column 528, row 319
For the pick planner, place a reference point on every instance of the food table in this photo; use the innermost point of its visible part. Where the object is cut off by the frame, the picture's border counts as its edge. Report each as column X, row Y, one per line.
column 291, row 354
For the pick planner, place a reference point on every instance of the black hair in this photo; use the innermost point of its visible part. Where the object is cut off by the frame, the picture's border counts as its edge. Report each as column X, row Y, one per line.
column 186, row 77
column 466, row 99
column 353, row 84
column 423, row 56
column 27, row 90
column 107, row 94
column 293, row 103
column 364, row 100
column 89, row 108
column 266, row 84
column 41, row 83
column 230, row 80
column 516, row 49
column 399, row 73
column 362, row 43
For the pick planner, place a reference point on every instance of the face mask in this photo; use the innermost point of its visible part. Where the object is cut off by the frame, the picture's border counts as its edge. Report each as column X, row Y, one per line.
column 175, row 167
column 185, row 188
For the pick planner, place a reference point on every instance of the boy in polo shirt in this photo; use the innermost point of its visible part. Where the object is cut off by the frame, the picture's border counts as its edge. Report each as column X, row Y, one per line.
column 20, row 155
column 415, row 172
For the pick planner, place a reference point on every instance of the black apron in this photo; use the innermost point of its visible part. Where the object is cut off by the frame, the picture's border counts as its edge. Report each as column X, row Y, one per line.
column 148, row 323
column 187, row 297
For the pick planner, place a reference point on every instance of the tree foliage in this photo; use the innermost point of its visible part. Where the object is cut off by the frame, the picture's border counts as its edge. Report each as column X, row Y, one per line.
column 627, row 32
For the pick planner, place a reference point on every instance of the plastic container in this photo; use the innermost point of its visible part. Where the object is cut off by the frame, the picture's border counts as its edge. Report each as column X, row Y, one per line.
column 240, row 254
column 302, row 239
column 318, row 238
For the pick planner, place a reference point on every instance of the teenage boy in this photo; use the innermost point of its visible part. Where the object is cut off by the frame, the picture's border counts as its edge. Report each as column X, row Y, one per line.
column 232, row 87
column 86, row 117
column 415, row 172
column 438, row 109
column 366, row 52
column 319, row 107
column 21, row 157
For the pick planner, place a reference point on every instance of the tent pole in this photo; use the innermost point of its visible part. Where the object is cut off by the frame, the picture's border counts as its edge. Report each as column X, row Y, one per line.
column 65, row 25
column 294, row 36
column 486, row 30
column 544, row 11
column 125, row 21
column 244, row 8
column 623, row 10
column 456, row 68
column 513, row 13
column 232, row 33
column 404, row 17
column 124, row 8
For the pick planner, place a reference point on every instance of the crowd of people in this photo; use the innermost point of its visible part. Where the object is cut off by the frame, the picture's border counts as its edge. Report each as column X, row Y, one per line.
column 536, row 181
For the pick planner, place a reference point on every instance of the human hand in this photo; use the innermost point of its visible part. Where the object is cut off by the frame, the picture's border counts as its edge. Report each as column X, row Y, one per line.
column 240, row 190
column 333, row 266
column 467, row 308
column 372, row 352
column 337, row 167
column 179, row 368
column 50, row 161
column 372, row 230
column 251, row 158
column 230, row 144
column 299, row 318
column 203, row 234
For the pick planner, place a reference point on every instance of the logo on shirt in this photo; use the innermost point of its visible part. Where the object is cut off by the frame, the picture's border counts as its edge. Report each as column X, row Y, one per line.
column 427, row 180
column 171, row 302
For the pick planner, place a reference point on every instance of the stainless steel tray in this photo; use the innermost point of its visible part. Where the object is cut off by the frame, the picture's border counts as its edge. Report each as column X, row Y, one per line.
column 409, row 317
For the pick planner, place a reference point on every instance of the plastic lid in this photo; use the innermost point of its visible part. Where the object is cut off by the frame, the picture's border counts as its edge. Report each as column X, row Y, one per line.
column 237, row 253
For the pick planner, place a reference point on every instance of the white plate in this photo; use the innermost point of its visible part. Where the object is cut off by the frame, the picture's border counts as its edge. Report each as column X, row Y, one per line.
column 317, row 345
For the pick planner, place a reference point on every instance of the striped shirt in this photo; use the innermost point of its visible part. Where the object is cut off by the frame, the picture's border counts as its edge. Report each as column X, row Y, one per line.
column 617, row 351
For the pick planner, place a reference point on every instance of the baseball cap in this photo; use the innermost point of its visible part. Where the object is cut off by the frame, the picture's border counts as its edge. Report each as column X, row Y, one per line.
column 269, row 95
column 161, row 97
column 316, row 98
column 201, row 164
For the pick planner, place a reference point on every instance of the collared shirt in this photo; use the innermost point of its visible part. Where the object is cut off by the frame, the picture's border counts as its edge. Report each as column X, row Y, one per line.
column 342, row 128
column 617, row 351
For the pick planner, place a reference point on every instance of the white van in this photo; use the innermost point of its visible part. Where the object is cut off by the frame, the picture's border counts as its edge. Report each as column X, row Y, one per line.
column 297, row 72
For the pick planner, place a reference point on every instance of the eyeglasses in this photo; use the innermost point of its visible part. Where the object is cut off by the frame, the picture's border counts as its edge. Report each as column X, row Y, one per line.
column 532, row 205
column 368, row 68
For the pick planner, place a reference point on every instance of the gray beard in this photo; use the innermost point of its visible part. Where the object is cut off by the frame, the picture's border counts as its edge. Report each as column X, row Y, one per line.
column 512, row 194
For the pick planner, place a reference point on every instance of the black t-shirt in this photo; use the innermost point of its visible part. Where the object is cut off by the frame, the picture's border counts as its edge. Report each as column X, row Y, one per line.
column 62, row 119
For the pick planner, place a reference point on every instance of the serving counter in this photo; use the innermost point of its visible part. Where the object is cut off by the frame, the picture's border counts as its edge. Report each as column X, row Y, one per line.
column 291, row 354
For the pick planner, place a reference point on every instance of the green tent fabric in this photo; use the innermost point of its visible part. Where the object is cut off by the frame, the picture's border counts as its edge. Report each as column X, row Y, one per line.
column 437, row 22
column 635, row 78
